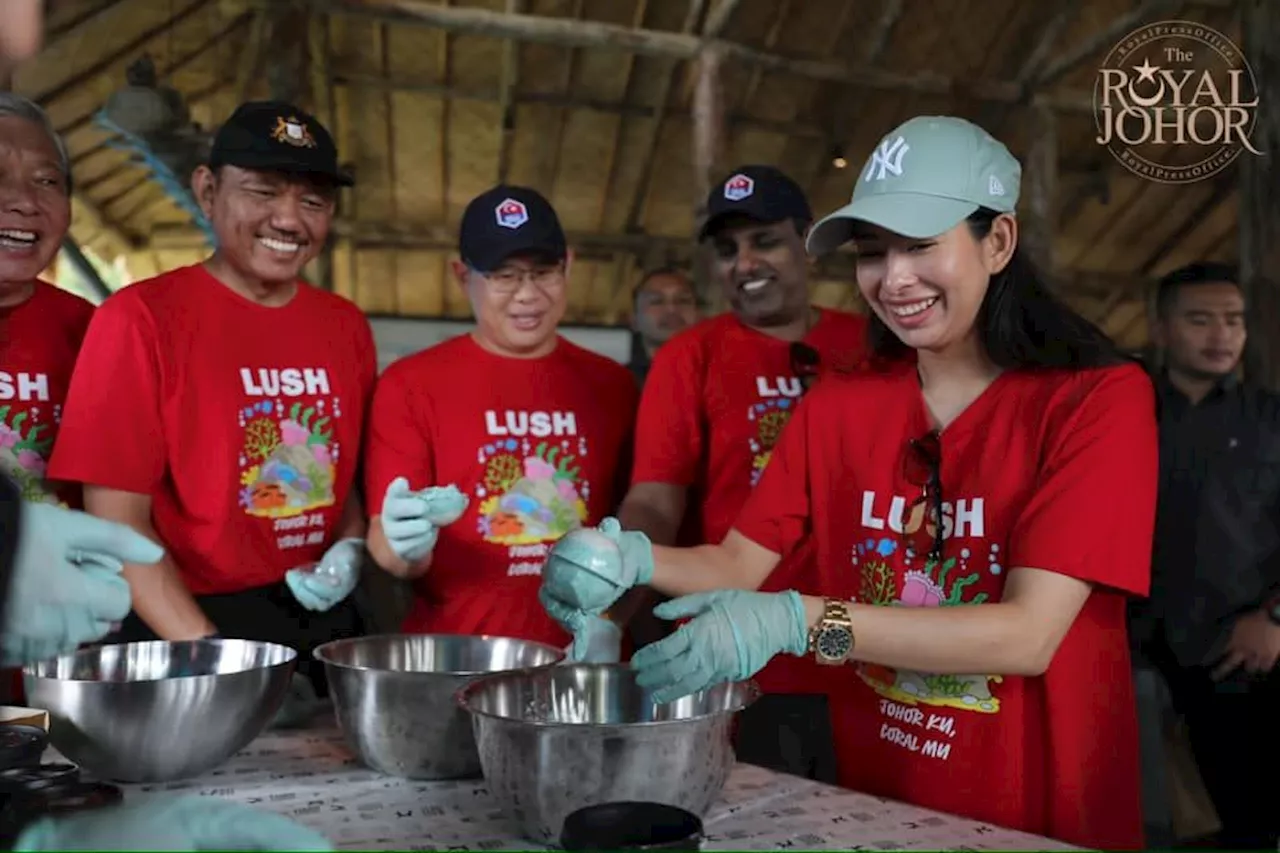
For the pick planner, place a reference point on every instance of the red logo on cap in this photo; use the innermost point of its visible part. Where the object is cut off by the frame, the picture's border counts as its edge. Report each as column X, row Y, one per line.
column 511, row 213
column 738, row 187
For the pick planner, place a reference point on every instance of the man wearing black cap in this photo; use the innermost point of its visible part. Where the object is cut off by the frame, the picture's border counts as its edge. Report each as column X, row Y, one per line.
column 511, row 435
column 714, row 404
column 219, row 408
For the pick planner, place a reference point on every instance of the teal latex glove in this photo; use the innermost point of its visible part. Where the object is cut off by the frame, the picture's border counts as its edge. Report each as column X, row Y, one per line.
column 172, row 823
column 589, row 569
column 332, row 579
column 411, row 521
column 67, row 586
column 732, row 635
column 599, row 640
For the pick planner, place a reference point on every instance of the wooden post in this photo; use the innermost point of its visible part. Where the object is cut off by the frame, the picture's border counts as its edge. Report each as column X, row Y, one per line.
column 324, row 109
column 708, row 156
column 1259, row 222
column 1041, row 191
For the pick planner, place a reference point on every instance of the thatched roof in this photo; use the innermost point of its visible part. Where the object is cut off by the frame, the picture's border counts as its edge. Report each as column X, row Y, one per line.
column 590, row 102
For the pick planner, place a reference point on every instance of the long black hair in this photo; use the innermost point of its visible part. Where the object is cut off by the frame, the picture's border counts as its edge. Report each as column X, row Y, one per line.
column 1021, row 323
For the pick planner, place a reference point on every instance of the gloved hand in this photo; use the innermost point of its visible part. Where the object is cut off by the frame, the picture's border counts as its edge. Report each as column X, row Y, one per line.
column 732, row 636
column 67, row 587
column 172, row 823
column 411, row 521
column 333, row 578
column 599, row 640
column 589, row 569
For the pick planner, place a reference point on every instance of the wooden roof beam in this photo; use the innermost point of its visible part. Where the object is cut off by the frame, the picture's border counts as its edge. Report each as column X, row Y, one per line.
column 553, row 99
column 506, row 90
column 1144, row 13
column 596, row 34
column 125, row 51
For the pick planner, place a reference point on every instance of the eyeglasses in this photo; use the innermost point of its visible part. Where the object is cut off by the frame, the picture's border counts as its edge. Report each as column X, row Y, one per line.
column 507, row 281
column 805, row 361
column 922, row 467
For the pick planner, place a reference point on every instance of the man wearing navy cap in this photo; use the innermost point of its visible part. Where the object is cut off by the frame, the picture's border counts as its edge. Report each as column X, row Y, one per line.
column 715, row 401
column 219, row 408
column 487, row 448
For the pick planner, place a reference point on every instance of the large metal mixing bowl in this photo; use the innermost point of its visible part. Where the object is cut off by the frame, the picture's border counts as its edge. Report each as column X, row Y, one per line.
column 393, row 695
column 159, row 711
column 555, row 740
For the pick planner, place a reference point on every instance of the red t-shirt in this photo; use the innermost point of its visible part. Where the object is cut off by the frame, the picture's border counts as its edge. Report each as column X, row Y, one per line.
column 715, row 401
column 1051, row 470
column 242, row 422
column 540, row 447
column 39, row 340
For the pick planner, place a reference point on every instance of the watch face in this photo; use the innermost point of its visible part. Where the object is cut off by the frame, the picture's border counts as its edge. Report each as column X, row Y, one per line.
column 835, row 642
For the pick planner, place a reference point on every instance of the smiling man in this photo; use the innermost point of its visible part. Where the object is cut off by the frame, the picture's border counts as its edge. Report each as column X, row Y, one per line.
column 41, row 326
column 219, row 408
column 714, row 404
column 532, row 429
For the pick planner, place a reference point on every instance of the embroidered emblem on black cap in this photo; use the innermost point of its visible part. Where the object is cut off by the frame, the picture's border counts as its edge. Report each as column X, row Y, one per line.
column 511, row 213
column 738, row 187
column 292, row 132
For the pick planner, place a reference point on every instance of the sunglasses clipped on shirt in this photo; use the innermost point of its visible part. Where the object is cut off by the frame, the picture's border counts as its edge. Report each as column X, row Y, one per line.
column 805, row 362
column 922, row 467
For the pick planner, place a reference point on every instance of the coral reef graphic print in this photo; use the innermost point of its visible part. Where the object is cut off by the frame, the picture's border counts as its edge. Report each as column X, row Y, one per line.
column 531, row 493
column 927, row 584
column 26, row 440
column 288, row 459
column 769, row 418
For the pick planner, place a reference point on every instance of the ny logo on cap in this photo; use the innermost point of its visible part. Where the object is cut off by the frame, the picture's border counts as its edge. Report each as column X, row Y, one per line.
column 292, row 132
column 511, row 213
column 887, row 158
column 739, row 187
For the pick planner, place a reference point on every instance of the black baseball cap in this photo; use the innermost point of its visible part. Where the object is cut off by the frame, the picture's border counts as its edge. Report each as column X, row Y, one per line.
column 762, row 193
column 273, row 136
column 505, row 221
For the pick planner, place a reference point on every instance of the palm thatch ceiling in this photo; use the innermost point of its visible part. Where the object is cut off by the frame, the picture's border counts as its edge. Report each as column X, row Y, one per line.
column 592, row 102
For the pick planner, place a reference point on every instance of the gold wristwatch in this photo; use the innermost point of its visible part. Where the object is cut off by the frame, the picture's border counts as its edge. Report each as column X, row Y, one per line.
column 831, row 640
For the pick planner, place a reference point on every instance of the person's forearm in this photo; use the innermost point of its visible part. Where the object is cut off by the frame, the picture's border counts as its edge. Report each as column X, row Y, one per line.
column 660, row 524
column 974, row 640
column 703, row 568
column 162, row 600
column 353, row 524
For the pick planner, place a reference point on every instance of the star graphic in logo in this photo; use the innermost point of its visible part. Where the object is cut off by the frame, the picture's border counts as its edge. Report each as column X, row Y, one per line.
column 1146, row 71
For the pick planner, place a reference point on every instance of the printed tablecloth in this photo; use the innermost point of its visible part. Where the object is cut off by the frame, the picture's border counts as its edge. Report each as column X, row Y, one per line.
column 313, row 778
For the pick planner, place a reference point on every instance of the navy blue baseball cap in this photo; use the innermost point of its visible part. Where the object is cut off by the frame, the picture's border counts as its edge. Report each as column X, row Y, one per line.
column 762, row 193
column 509, row 220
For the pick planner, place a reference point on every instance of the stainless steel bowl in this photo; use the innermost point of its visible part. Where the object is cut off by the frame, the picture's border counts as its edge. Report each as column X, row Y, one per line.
column 159, row 711
column 393, row 696
column 555, row 740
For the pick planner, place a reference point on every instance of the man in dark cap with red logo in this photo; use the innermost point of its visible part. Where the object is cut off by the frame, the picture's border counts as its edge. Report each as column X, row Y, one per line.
column 219, row 408
column 487, row 448
column 715, row 402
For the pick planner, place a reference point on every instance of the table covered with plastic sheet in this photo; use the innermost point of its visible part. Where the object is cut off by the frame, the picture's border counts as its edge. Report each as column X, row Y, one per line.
column 312, row 777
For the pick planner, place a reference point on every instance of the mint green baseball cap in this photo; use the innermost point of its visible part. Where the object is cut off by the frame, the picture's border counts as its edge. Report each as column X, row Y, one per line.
column 924, row 178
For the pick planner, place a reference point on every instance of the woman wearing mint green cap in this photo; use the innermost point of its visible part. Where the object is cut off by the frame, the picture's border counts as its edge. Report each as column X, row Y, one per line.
column 982, row 501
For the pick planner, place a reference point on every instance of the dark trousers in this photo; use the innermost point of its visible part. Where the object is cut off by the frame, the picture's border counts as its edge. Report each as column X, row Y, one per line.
column 268, row 614
column 1232, row 729
column 790, row 733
